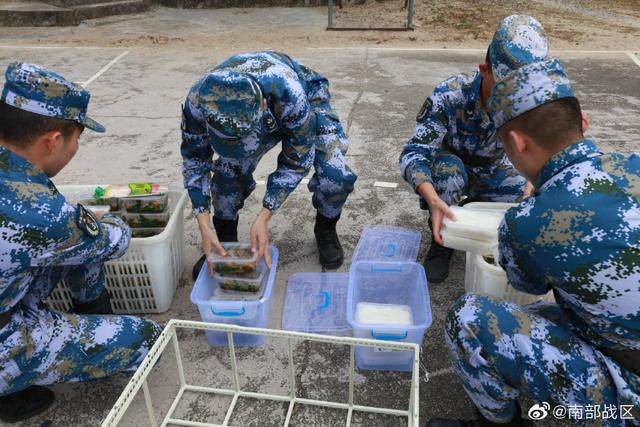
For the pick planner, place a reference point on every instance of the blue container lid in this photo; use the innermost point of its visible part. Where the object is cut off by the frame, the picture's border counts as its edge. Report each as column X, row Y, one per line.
column 386, row 243
column 317, row 302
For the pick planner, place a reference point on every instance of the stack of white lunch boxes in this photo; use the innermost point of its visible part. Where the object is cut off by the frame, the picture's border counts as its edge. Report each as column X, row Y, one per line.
column 476, row 232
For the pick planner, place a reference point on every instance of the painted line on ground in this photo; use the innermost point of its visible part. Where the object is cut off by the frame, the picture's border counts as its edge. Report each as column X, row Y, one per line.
column 105, row 68
column 58, row 47
column 634, row 58
column 442, row 49
column 385, row 184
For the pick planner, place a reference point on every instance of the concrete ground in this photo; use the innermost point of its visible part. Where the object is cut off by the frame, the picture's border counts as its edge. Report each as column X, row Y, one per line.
column 377, row 93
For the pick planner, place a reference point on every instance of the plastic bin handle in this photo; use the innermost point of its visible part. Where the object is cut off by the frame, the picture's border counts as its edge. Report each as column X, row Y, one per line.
column 375, row 269
column 389, row 337
column 227, row 313
column 391, row 250
column 326, row 300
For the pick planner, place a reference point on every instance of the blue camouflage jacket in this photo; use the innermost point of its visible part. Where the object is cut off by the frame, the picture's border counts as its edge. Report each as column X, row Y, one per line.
column 451, row 119
column 579, row 234
column 290, row 89
column 39, row 230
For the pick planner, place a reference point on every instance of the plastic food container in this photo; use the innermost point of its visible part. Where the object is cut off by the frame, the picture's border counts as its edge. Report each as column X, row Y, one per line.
column 401, row 286
column 147, row 220
column 240, row 311
column 113, row 203
column 243, row 284
column 387, row 244
column 146, row 232
column 317, row 303
column 239, row 262
column 98, row 210
column 145, row 204
column 482, row 276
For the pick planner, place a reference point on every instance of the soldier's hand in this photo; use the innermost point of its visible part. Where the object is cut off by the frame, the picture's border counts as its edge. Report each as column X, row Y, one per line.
column 210, row 240
column 260, row 236
column 439, row 210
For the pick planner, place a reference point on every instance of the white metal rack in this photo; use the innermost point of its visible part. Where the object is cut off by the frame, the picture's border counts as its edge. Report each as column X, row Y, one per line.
column 169, row 334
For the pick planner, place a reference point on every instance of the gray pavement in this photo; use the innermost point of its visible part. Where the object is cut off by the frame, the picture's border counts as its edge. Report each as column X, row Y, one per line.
column 377, row 93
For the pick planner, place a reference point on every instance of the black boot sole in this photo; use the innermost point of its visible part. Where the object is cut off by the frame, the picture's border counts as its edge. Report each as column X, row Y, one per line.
column 332, row 265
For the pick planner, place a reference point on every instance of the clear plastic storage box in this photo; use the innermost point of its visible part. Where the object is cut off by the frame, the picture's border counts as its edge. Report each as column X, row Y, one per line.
column 317, row 302
column 387, row 244
column 242, row 312
column 398, row 283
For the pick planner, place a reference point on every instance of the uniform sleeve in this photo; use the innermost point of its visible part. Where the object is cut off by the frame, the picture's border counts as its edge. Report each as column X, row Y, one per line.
column 428, row 135
column 517, row 260
column 68, row 244
column 197, row 160
column 298, row 127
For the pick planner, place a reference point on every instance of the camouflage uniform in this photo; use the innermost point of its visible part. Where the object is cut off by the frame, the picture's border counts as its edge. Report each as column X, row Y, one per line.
column 455, row 145
column 579, row 235
column 44, row 240
column 222, row 114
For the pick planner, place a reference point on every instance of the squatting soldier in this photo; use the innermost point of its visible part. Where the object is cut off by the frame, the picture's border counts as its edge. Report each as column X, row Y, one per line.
column 44, row 239
column 240, row 110
column 454, row 150
column 579, row 234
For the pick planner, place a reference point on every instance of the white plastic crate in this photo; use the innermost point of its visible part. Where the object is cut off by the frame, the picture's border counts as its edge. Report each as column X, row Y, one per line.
column 145, row 278
column 170, row 335
column 489, row 279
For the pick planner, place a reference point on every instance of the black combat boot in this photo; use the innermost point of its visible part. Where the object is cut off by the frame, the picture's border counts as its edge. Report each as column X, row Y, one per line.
column 100, row 305
column 329, row 248
column 436, row 262
column 517, row 421
column 227, row 231
column 25, row 404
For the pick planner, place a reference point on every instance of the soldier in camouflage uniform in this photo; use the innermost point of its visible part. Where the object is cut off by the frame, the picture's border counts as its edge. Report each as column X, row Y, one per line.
column 454, row 150
column 240, row 110
column 44, row 239
column 579, row 235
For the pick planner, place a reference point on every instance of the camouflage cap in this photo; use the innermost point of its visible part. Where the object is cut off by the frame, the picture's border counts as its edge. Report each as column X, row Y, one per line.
column 38, row 90
column 231, row 103
column 527, row 88
column 519, row 40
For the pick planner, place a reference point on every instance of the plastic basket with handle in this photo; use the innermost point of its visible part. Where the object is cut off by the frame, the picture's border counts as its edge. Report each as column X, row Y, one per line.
column 145, row 278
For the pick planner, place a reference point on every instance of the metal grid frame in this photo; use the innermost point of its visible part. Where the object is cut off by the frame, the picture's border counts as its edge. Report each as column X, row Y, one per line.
column 139, row 379
column 408, row 25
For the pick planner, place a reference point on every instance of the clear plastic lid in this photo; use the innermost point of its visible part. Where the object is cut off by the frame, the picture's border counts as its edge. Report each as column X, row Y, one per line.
column 385, row 243
column 317, row 302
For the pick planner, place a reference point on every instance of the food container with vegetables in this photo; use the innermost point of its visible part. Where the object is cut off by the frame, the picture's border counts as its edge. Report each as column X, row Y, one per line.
column 145, row 204
column 239, row 262
column 147, row 220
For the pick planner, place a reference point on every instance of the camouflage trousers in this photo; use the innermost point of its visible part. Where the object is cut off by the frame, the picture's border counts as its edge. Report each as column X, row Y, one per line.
column 41, row 346
column 452, row 179
column 331, row 183
column 501, row 349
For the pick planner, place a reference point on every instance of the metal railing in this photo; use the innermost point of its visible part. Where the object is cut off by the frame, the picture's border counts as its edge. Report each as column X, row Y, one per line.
column 169, row 334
